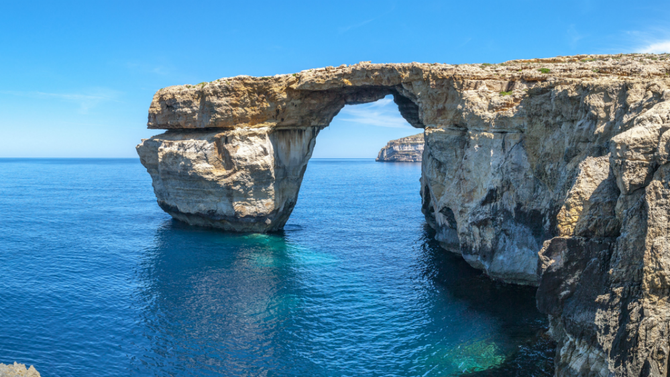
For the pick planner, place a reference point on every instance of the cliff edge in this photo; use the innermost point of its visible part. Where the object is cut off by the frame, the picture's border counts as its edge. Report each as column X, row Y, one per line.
column 406, row 149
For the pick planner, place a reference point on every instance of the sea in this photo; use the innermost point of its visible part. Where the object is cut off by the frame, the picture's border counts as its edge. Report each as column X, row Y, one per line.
column 96, row 280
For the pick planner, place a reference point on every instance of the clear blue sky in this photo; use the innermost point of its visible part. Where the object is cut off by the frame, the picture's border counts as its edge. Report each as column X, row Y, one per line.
column 77, row 77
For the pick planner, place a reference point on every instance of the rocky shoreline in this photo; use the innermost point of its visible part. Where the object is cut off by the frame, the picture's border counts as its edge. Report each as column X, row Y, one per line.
column 17, row 370
column 552, row 172
column 406, row 149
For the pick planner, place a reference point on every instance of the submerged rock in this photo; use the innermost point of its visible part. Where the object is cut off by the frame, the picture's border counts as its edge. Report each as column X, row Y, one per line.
column 406, row 149
column 17, row 370
column 566, row 157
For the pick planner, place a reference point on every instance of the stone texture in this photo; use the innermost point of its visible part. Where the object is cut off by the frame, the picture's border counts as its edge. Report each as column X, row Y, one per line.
column 406, row 149
column 17, row 370
column 566, row 157
column 236, row 180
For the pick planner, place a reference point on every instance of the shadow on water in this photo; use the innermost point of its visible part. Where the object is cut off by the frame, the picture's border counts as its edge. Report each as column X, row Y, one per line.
column 512, row 305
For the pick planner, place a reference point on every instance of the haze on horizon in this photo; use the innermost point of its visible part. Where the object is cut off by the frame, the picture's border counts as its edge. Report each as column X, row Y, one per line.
column 78, row 77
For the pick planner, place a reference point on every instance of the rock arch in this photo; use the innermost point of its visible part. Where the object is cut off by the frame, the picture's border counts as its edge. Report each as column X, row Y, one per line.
column 566, row 157
column 236, row 149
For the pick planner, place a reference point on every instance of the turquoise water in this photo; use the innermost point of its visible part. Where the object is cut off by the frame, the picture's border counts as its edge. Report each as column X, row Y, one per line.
column 96, row 280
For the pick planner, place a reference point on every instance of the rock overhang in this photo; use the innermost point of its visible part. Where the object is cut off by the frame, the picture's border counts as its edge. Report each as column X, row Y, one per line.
column 313, row 97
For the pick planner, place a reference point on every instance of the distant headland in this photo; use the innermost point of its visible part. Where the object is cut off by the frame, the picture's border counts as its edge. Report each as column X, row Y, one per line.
column 406, row 149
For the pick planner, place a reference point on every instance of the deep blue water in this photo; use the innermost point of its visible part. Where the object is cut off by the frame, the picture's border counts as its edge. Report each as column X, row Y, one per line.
column 96, row 280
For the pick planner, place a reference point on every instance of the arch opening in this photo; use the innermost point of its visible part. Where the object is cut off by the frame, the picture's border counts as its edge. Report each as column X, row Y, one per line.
column 242, row 171
column 364, row 126
column 406, row 105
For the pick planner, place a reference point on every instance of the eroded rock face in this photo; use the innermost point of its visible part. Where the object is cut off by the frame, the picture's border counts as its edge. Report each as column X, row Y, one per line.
column 571, row 164
column 236, row 180
column 405, row 149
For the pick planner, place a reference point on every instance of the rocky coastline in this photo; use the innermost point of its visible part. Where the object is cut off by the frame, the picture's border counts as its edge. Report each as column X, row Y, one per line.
column 17, row 370
column 552, row 173
column 406, row 149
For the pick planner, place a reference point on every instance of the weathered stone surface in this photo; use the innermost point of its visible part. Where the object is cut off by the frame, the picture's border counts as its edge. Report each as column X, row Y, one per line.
column 236, row 180
column 566, row 156
column 406, row 149
column 17, row 370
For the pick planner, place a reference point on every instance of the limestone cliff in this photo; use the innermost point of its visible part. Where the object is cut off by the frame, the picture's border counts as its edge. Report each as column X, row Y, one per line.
column 566, row 157
column 406, row 149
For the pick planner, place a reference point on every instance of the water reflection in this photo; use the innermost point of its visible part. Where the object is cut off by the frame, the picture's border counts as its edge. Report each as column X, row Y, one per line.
column 215, row 302
column 354, row 286
column 268, row 305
